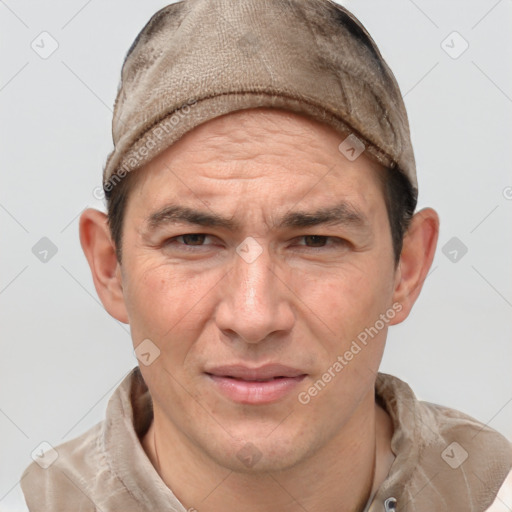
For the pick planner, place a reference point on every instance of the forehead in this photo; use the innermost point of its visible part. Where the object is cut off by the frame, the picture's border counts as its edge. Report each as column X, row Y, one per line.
column 286, row 154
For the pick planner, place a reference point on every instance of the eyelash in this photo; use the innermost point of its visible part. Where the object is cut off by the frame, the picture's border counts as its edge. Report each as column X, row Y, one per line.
column 336, row 241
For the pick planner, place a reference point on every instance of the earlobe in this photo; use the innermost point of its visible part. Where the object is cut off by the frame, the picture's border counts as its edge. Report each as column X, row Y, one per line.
column 418, row 252
column 99, row 250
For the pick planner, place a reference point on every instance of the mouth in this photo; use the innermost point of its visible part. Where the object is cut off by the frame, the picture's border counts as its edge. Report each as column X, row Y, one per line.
column 262, row 385
column 252, row 380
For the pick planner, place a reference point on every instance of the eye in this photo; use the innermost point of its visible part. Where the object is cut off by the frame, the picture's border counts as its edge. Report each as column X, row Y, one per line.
column 192, row 238
column 189, row 240
column 315, row 240
column 320, row 241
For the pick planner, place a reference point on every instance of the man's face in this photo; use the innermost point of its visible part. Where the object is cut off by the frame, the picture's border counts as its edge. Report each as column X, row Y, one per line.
column 298, row 293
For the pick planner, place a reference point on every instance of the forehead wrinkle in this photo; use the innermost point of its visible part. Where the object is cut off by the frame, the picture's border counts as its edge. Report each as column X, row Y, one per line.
column 342, row 213
column 240, row 137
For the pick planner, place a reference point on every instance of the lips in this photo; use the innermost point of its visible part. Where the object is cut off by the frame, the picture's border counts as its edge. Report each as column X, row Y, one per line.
column 261, row 385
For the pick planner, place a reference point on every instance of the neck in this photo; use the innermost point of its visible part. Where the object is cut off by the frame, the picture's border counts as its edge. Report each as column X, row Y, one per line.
column 339, row 477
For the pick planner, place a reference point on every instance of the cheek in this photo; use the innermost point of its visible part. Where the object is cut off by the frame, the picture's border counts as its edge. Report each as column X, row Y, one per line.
column 165, row 303
column 350, row 306
column 348, row 300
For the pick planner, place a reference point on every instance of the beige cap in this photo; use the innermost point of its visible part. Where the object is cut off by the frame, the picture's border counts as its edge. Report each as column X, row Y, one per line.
column 199, row 59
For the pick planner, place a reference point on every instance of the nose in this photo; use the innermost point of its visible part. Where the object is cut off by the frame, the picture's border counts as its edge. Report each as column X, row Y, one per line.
column 255, row 302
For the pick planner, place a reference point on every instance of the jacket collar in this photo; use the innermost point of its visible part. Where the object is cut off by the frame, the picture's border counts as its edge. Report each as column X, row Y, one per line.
column 444, row 459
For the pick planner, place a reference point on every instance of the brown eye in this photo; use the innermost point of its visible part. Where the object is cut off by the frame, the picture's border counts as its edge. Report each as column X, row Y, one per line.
column 193, row 239
column 315, row 240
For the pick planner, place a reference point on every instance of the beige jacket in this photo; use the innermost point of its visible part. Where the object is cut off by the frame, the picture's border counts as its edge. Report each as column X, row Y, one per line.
column 106, row 468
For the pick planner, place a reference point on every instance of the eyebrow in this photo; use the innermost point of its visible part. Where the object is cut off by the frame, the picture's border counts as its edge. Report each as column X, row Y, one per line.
column 340, row 214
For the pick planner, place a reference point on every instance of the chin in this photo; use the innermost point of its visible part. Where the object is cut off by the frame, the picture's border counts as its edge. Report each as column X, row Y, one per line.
column 259, row 453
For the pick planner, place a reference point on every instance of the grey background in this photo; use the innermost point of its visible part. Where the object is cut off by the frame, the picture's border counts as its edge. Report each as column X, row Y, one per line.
column 62, row 354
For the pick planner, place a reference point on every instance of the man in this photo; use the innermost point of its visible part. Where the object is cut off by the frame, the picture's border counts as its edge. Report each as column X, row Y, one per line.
column 260, row 240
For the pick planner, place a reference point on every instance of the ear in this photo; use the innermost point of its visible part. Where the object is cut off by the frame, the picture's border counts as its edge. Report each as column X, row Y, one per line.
column 99, row 250
column 418, row 251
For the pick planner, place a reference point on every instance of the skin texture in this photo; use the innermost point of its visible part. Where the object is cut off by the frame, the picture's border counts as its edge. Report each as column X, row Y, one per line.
column 300, row 303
